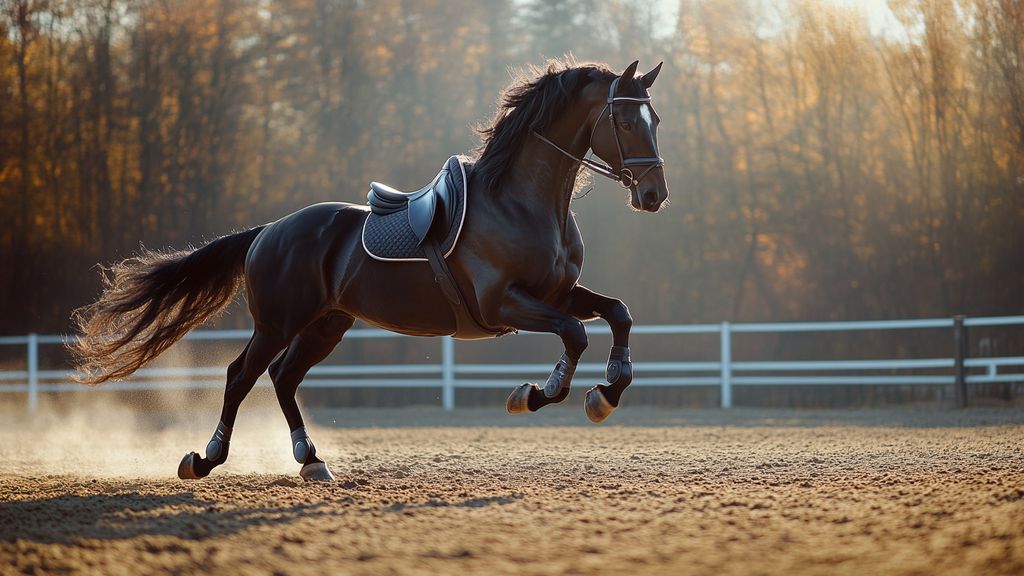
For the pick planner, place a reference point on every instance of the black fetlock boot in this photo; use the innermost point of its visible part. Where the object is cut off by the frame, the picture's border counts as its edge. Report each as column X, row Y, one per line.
column 313, row 468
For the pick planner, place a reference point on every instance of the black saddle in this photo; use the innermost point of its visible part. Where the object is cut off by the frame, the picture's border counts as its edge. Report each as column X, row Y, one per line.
column 400, row 223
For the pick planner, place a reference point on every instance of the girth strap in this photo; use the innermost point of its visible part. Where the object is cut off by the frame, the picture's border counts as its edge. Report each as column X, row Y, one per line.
column 464, row 320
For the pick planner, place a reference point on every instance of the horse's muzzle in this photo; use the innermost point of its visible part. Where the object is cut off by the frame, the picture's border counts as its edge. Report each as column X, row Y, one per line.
column 651, row 199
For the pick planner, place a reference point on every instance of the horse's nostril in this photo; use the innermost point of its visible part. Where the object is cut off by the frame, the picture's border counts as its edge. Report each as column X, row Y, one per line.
column 650, row 198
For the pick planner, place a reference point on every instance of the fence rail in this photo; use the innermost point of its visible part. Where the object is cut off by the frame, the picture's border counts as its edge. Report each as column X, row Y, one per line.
column 447, row 375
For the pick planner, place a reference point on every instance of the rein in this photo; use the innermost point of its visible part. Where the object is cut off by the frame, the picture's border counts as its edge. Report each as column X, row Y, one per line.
column 624, row 176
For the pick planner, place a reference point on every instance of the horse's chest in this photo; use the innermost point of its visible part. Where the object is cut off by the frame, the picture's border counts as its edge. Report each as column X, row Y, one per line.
column 565, row 264
column 570, row 263
column 544, row 260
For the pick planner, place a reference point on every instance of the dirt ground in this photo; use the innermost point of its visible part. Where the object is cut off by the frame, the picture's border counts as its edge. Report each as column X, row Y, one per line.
column 421, row 491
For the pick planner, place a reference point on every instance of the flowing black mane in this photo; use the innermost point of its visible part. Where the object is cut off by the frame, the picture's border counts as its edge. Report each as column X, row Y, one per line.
column 530, row 104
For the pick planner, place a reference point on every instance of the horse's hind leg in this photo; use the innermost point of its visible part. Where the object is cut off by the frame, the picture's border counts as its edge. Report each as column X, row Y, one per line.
column 242, row 375
column 309, row 348
column 586, row 304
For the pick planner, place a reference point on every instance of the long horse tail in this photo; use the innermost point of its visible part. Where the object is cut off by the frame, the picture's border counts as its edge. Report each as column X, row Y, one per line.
column 150, row 301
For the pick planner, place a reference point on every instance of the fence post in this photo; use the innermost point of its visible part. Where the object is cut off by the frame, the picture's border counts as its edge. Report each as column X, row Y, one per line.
column 960, row 355
column 33, row 372
column 448, row 372
column 726, row 351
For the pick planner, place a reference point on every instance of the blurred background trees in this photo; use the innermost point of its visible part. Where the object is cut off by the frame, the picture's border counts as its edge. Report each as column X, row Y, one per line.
column 819, row 169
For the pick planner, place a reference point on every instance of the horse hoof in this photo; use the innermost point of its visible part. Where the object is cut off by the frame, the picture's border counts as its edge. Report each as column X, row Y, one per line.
column 519, row 400
column 187, row 467
column 316, row 472
column 597, row 406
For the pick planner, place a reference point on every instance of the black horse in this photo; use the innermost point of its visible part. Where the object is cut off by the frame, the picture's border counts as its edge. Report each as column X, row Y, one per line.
column 513, row 252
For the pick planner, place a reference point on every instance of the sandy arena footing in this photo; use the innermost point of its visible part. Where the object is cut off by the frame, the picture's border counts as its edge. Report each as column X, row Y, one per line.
column 422, row 491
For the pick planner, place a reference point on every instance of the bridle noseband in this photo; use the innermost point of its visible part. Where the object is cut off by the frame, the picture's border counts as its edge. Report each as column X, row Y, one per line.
column 625, row 174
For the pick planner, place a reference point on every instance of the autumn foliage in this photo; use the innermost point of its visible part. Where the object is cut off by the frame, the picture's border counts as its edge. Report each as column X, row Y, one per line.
column 819, row 170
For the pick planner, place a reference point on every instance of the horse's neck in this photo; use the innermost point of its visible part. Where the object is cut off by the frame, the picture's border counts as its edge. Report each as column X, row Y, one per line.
column 545, row 177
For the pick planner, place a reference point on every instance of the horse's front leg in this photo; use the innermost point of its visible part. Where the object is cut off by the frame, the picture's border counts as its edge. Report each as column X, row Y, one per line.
column 586, row 304
column 524, row 312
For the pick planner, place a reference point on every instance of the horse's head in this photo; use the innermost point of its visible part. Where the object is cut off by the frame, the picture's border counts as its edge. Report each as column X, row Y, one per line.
column 625, row 136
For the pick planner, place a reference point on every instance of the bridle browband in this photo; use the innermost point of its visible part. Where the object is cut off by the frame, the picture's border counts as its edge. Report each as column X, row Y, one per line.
column 625, row 175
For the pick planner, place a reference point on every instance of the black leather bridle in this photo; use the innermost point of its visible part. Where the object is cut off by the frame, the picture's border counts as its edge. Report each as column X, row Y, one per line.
column 625, row 175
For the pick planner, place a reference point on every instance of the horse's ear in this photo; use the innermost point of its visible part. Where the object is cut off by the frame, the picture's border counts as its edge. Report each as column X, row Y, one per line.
column 630, row 72
column 648, row 79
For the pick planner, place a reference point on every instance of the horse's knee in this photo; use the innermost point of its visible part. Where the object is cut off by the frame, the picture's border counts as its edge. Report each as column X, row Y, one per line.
column 619, row 317
column 574, row 337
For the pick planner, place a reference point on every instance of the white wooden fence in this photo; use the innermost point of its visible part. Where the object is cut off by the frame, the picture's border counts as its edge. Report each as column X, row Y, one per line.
column 448, row 375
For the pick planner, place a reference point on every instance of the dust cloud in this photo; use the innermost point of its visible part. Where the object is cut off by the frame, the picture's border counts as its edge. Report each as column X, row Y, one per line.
column 104, row 432
column 140, row 435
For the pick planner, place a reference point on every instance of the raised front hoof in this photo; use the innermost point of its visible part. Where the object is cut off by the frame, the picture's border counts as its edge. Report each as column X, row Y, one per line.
column 597, row 406
column 316, row 472
column 519, row 400
column 187, row 467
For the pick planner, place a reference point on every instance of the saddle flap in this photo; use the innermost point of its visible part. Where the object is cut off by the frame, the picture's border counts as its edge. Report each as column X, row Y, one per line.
column 421, row 213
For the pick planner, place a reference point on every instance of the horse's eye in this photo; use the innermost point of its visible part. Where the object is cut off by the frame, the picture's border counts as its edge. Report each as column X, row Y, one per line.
column 627, row 126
